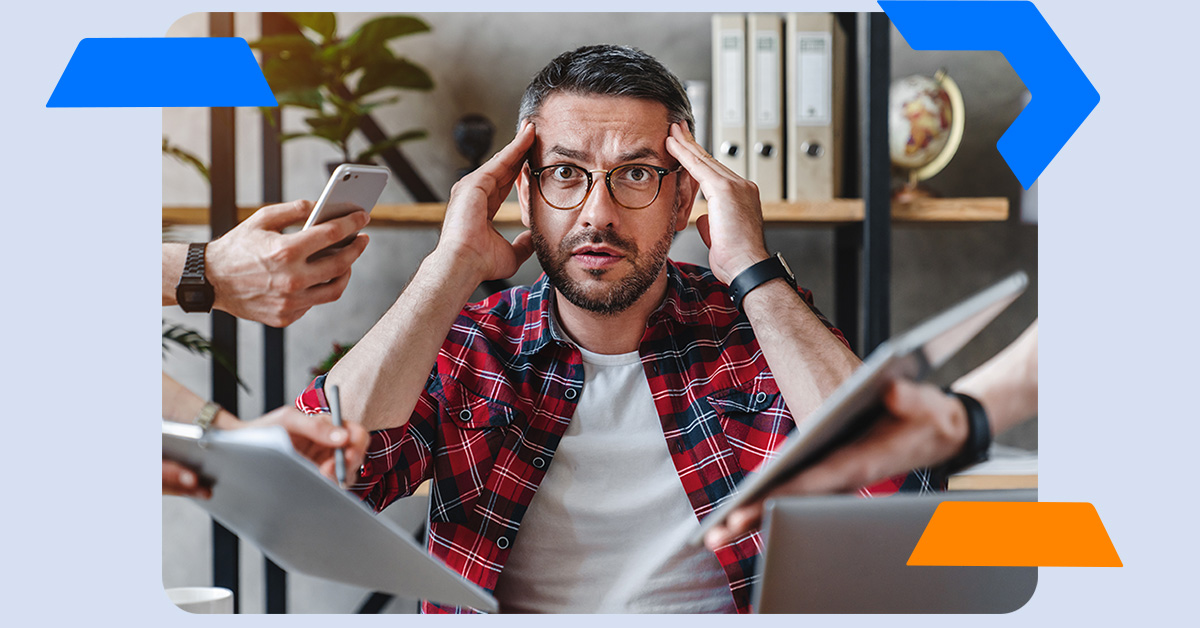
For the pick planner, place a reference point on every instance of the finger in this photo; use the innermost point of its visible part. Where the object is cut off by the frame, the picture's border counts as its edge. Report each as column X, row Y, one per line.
column 329, row 267
column 523, row 246
column 281, row 215
column 694, row 158
column 504, row 166
column 328, row 233
column 702, row 227
column 327, row 292
column 356, row 447
column 180, row 480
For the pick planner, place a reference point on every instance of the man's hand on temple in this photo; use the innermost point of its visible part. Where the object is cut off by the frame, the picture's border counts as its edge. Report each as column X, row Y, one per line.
column 261, row 274
column 923, row 426
column 733, row 227
column 468, row 235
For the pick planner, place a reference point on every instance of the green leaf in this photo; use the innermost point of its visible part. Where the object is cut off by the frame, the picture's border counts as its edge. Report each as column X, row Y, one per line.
column 323, row 24
column 306, row 98
column 288, row 45
column 378, row 148
column 377, row 32
column 393, row 73
column 186, row 158
column 292, row 75
column 195, row 343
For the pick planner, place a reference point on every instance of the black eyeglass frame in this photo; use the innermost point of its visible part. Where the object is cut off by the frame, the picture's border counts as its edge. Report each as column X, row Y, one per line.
column 536, row 175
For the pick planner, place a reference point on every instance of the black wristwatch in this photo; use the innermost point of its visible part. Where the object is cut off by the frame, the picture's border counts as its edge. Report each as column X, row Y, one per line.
column 979, row 438
column 193, row 292
column 757, row 275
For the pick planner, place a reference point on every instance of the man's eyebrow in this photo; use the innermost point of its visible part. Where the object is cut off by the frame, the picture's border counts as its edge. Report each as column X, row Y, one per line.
column 639, row 153
column 579, row 155
column 569, row 153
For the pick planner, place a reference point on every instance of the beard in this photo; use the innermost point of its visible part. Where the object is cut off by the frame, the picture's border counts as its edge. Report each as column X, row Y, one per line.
column 607, row 298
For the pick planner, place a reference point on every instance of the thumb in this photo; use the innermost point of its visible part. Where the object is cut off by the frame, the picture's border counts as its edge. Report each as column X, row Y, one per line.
column 523, row 246
column 702, row 227
column 279, row 216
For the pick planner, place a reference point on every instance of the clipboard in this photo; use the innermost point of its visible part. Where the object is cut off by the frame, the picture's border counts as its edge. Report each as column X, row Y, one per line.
column 270, row 495
column 856, row 404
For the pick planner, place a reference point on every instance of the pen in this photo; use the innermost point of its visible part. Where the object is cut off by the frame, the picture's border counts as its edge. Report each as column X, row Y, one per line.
column 339, row 456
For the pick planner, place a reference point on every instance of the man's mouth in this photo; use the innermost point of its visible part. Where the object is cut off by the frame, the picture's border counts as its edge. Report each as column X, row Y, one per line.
column 597, row 256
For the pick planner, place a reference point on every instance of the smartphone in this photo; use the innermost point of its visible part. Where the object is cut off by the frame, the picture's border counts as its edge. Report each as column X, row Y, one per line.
column 351, row 188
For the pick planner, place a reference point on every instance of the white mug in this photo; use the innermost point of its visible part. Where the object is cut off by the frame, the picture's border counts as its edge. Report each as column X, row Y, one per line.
column 205, row 600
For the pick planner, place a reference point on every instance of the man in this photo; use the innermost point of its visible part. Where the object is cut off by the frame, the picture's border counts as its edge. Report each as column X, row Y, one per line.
column 619, row 396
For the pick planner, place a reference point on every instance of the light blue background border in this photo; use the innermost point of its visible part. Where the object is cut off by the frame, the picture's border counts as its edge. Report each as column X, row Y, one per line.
column 1118, row 217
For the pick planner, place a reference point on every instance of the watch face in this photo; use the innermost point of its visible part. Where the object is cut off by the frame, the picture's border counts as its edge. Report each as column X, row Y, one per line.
column 194, row 298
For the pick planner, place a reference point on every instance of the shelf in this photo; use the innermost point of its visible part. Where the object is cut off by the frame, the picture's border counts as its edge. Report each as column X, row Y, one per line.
column 840, row 211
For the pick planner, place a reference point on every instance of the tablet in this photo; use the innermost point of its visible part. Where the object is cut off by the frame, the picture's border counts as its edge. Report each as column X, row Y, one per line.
column 270, row 495
column 855, row 405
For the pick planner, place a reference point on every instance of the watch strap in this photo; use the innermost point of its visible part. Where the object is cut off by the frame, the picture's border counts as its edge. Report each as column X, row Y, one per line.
column 206, row 415
column 979, row 438
column 194, row 293
column 773, row 267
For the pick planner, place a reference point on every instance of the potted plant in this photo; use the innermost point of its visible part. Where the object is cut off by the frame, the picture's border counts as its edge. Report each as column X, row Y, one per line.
column 339, row 80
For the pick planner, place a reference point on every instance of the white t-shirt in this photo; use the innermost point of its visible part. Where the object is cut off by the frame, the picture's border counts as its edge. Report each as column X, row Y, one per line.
column 610, row 498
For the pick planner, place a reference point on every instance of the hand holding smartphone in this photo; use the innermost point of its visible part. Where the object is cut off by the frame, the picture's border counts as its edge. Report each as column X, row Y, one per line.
column 351, row 188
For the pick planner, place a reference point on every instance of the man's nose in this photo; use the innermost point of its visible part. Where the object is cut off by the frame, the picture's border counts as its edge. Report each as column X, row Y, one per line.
column 600, row 209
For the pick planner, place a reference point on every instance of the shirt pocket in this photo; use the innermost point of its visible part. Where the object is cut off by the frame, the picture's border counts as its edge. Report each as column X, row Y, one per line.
column 477, row 422
column 754, row 419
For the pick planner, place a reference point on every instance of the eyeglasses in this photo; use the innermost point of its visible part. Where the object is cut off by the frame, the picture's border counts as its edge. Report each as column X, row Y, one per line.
column 632, row 186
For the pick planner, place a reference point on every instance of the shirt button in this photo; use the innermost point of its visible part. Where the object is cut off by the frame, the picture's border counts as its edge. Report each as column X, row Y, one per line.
column 465, row 415
column 571, row 393
column 760, row 397
column 539, row 462
column 502, row 542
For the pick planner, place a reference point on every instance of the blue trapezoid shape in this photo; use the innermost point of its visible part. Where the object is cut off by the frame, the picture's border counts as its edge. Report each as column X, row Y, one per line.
column 1061, row 95
column 162, row 72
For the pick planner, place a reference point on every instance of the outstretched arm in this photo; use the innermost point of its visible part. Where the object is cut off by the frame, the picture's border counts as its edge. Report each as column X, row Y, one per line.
column 382, row 378
column 924, row 426
column 261, row 274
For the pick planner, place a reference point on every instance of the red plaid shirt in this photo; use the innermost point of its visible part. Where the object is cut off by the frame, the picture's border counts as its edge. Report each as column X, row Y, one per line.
column 504, row 389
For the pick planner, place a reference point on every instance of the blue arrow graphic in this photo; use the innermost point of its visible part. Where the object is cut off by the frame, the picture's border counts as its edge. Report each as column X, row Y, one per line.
column 1061, row 96
column 162, row 72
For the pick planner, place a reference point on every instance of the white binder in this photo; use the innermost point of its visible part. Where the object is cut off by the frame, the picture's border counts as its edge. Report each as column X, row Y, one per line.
column 815, row 92
column 764, row 98
column 729, row 91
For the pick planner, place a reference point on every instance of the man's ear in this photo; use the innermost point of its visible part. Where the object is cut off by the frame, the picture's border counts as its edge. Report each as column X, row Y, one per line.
column 523, row 190
column 688, row 188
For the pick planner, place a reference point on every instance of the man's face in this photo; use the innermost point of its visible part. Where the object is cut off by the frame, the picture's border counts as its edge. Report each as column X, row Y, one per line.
column 603, row 257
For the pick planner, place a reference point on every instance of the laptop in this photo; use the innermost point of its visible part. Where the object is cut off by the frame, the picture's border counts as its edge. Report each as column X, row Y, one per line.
column 855, row 405
column 847, row 554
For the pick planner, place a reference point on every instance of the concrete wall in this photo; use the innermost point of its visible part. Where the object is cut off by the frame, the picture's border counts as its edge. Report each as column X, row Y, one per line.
column 480, row 64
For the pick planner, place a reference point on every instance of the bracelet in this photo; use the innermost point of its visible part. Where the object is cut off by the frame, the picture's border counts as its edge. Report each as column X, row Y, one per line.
column 979, row 438
column 206, row 415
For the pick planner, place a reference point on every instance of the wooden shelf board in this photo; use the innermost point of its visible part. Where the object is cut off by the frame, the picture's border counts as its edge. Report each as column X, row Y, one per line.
column 985, row 209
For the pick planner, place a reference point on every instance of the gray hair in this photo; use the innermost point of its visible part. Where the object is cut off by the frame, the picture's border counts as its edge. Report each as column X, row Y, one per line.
column 608, row 70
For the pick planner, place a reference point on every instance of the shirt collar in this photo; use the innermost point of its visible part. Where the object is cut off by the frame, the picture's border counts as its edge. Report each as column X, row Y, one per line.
column 541, row 324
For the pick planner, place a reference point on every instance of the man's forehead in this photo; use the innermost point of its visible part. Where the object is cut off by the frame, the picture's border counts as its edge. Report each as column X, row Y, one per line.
column 579, row 126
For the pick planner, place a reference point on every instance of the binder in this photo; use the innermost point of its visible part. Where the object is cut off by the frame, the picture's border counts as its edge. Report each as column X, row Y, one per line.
column 815, row 89
column 729, row 91
column 764, row 98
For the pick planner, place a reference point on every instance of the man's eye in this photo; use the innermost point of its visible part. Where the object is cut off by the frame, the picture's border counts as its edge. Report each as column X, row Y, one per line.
column 565, row 173
column 636, row 174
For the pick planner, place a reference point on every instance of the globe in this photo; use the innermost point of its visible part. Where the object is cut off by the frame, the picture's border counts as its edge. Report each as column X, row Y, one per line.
column 925, row 125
